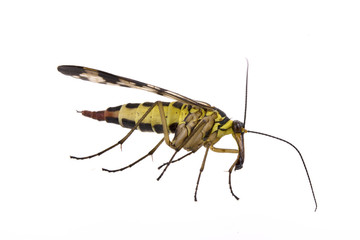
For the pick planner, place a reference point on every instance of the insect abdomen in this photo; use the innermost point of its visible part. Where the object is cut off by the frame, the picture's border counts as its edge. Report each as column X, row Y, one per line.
column 128, row 114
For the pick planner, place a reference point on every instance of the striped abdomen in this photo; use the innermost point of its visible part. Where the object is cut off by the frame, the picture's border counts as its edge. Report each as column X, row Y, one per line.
column 128, row 114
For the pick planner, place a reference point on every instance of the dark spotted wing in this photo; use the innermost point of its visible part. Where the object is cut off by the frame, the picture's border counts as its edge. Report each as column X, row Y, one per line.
column 97, row 76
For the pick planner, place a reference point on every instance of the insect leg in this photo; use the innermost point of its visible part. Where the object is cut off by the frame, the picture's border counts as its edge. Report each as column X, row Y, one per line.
column 219, row 150
column 176, row 160
column 164, row 124
column 201, row 170
column 230, row 171
column 223, row 150
column 140, row 159
column 96, row 154
column 123, row 139
column 195, row 131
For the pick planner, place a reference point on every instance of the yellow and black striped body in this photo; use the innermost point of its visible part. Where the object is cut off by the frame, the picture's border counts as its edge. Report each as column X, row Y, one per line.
column 128, row 114
column 180, row 118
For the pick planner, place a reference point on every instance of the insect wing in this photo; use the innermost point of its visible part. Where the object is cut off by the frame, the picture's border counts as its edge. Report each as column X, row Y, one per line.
column 97, row 76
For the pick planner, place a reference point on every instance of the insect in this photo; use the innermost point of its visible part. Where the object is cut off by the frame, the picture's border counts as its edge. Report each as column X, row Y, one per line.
column 194, row 123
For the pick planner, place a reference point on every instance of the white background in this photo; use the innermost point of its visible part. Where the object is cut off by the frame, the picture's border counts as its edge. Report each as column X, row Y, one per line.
column 304, row 86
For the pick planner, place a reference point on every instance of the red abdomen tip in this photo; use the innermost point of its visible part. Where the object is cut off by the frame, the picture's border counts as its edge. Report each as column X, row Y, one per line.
column 99, row 115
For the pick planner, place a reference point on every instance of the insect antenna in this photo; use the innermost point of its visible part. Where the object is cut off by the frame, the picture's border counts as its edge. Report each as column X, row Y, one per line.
column 307, row 173
column 246, row 89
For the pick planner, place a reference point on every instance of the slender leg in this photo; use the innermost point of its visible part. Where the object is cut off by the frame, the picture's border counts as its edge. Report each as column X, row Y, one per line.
column 201, row 170
column 167, row 164
column 230, row 171
column 164, row 124
column 176, row 160
column 137, row 161
column 196, row 130
column 223, row 150
column 99, row 153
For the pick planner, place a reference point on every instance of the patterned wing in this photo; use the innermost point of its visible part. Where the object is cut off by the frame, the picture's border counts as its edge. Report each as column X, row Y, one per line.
column 97, row 76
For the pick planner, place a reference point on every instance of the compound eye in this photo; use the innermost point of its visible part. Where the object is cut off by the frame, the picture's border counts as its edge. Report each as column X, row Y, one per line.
column 237, row 126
